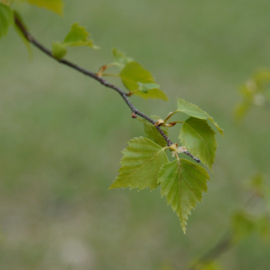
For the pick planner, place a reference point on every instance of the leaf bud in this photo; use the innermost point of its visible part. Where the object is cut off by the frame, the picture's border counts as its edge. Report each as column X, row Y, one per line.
column 159, row 122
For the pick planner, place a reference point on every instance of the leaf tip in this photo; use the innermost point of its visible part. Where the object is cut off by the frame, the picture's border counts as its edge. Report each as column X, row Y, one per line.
column 183, row 226
column 111, row 187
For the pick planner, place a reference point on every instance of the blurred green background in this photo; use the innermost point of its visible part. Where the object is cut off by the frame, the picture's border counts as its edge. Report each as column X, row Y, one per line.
column 61, row 134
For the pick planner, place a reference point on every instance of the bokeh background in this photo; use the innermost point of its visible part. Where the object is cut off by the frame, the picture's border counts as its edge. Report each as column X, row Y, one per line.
column 61, row 135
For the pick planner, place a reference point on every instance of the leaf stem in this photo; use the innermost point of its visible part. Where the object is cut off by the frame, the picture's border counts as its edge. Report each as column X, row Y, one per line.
column 112, row 65
column 169, row 116
column 94, row 76
column 103, row 68
column 110, row 75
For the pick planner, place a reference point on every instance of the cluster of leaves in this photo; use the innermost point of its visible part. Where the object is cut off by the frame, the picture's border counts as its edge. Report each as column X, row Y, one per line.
column 78, row 36
column 145, row 163
column 137, row 80
column 255, row 92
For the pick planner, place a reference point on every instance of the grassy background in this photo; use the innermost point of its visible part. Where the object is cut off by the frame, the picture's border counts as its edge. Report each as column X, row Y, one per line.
column 61, row 135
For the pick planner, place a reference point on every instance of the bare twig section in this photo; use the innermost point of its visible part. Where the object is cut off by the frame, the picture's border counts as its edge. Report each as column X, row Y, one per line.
column 94, row 76
column 196, row 159
column 222, row 246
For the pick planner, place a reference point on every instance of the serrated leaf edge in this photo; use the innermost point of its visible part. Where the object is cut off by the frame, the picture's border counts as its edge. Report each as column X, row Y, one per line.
column 183, row 222
column 207, row 116
column 123, row 152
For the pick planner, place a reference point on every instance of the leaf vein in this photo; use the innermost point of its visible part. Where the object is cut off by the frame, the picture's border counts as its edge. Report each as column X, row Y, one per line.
column 143, row 165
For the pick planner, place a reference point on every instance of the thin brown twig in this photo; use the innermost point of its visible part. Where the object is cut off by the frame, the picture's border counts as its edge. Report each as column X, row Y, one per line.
column 222, row 245
column 94, row 76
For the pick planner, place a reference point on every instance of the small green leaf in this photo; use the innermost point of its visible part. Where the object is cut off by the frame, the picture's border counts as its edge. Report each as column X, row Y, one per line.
column 6, row 19
column 199, row 138
column 58, row 50
column 145, row 87
column 53, row 5
column 153, row 93
column 120, row 58
column 152, row 133
column 194, row 111
column 77, row 36
column 140, row 164
column 182, row 182
column 132, row 74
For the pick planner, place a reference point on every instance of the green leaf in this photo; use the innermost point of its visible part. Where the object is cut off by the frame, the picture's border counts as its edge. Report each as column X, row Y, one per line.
column 53, row 5
column 154, row 93
column 194, row 111
column 77, row 36
column 132, row 74
column 182, row 182
column 199, row 139
column 152, row 133
column 6, row 19
column 145, row 87
column 140, row 164
column 120, row 58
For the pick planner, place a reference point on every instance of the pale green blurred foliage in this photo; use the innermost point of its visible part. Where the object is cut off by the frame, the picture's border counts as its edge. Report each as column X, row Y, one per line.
column 210, row 266
column 254, row 218
column 255, row 92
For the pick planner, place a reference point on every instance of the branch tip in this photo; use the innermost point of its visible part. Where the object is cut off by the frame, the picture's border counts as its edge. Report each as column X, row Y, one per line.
column 98, row 77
